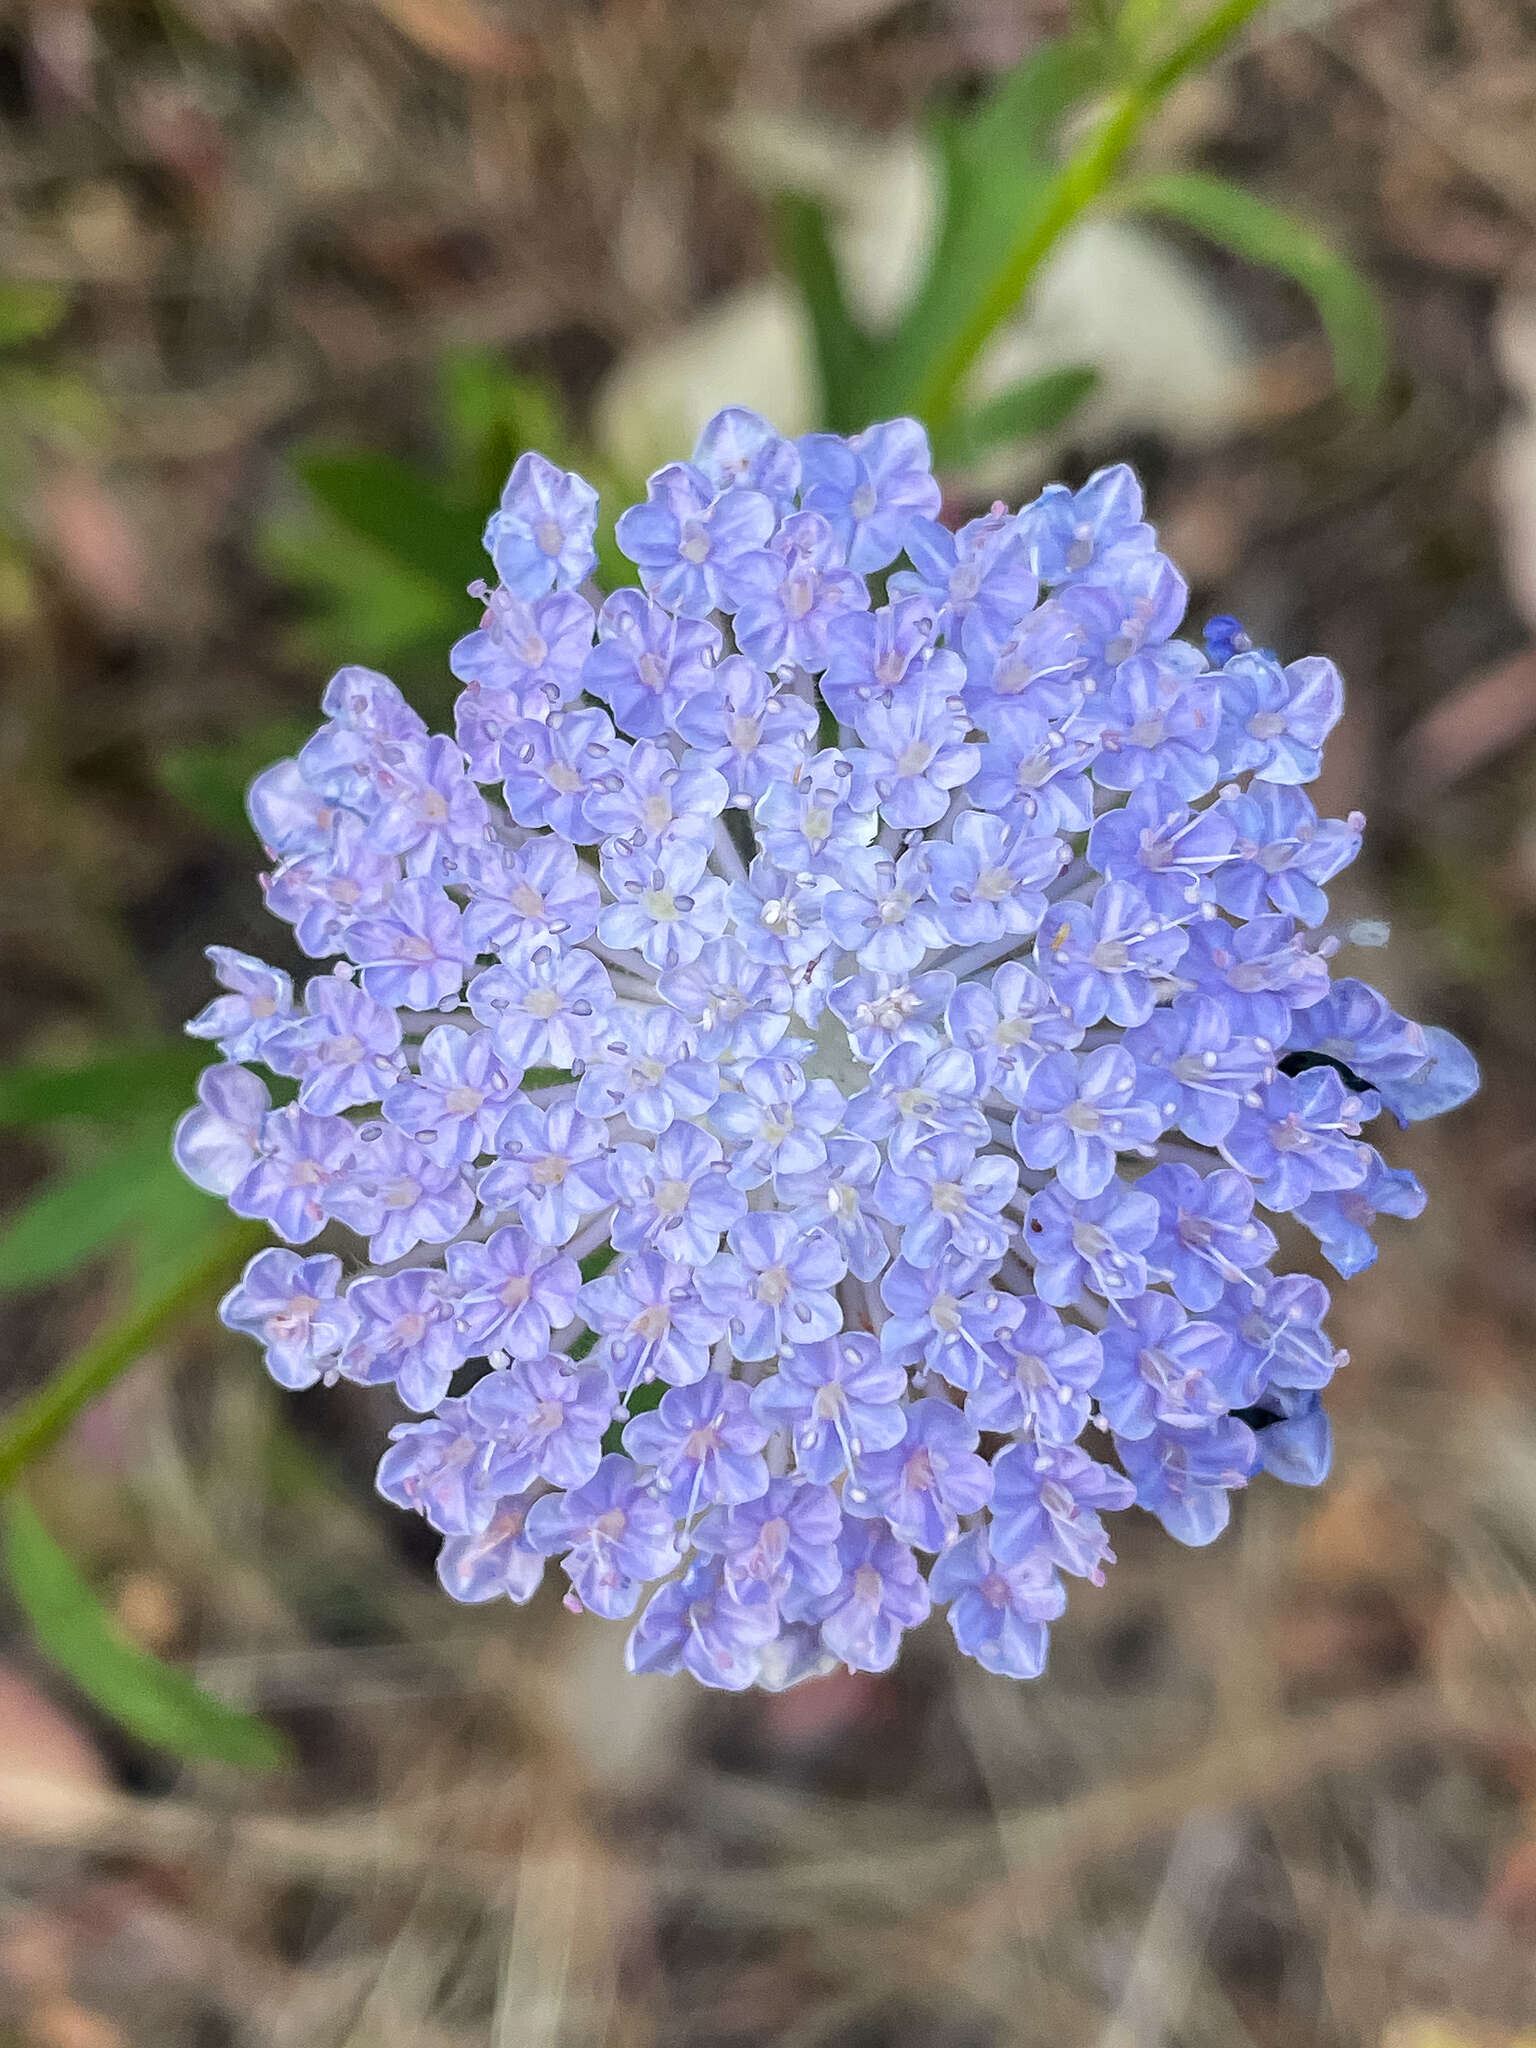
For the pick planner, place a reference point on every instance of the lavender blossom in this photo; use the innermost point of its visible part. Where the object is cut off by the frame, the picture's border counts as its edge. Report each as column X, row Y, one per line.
column 829, row 1053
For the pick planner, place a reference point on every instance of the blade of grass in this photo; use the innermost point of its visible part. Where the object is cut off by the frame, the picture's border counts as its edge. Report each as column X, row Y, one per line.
column 1081, row 180
column 1275, row 240
column 39, row 1422
column 154, row 1701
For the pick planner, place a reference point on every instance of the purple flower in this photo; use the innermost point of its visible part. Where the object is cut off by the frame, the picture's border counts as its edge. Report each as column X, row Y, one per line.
column 775, row 1122
column 432, row 811
column 1045, row 1504
column 869, row 487
column 914, row 1093
column 1106, row 958
column 345, row 1049
column 657, row 805
column 785, row 1540
column 538, row 895
column 751, row 732
column 1158, row 724
column 398, row 1196
column 703, row 1442
column 526, row 657
column 739, row 447
column 838, row 1397
column 880, row 909
column 1203, row 1070
column 1185, row 1477
column 1088, row 532
column 647, row 664
column 1278, row 1335
column 915, row 753
column 691, row 542
column 740, row 1005
column 553, row 1169
column 834, row 1196
column 544, row 1006
column 880, row 1011
column 434, row 1469
column 981, row 570
column 881, row 1594
column 541, row 537
column 301, row 1162
column 653, row 1323
column 1341, row 1218
column 1282, row 853
column 941, row 1316
column 990, row 879
column 1161, row 1368
column 924, row 1484
column 774, row 1284
column 1037, row 1374
column 1078, row 1115
column 946, row 1198
column 1298, row 1448
column 1097, row 1244
column 290, row 1306
column 1034, row 773
column 998, row 1612
column 875, row 654
column 1176, row 857
column 549, row 771
column 666, row 907
column 792, row 593
column 674, row 1197
column 615, row 1535
column 511, row 1292
column 811, row 817
column 702, row 1624
column 1301, row 1138
column 759, row 1031
column 1274, row 720
column 1208, row 1236
column 413, row 953
column 215, row 1145
column 406, row 1337
column 324, row 892
column 259, row 1002
column 453, row 1106
column 496, row 1562
column 541, row 1418
column 1043, row 664
column 1009, row 1026
column 647, row 1072
column 1261, row 972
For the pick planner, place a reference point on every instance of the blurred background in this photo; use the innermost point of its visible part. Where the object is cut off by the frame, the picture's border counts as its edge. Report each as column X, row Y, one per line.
column 288, row 283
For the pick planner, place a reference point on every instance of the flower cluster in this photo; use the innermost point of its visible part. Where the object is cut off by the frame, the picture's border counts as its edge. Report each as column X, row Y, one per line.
column 806, row 1058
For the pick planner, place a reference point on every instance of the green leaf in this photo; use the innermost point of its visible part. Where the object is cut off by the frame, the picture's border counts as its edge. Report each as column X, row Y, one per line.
column 79, row 1215
column 154, row 1701
column 997, row 163
column 28, row 311
column 842, row 349
column 1276, row 240
column 491, row 414
column 32, row 1428
column 120, row 1087
column 1038, row 405
column 394, row 507
column 362, row 604
column 212, row 779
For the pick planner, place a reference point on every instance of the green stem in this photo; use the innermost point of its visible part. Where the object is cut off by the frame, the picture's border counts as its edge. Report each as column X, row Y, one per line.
column 40, row 1422
column 1079, row 182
